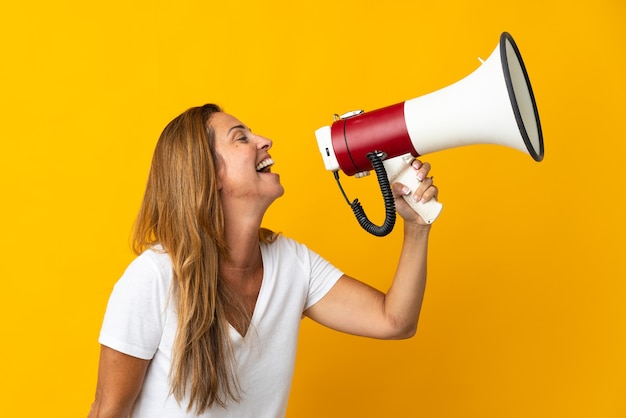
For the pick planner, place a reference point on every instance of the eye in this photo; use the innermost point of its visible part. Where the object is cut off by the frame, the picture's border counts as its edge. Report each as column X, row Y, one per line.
column 242, row 139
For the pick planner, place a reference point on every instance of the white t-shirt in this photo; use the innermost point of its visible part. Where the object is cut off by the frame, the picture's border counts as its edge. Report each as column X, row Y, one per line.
column 140, row 321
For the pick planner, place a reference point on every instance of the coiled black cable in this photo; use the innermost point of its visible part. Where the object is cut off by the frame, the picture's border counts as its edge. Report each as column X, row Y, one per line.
column 390, row 205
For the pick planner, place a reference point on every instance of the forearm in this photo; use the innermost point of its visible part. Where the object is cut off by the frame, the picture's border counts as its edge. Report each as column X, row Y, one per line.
column 403, row 301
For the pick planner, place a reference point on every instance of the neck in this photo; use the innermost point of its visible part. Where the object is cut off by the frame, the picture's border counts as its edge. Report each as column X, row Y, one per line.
column 242, row 221
column 235, row 263
column 243, row 244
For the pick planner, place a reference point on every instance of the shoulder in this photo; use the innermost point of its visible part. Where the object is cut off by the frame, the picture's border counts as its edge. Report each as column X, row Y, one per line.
column 147, row 277
column 287, row 249
column 137, row 307
column 153, row 265
column 288, row 244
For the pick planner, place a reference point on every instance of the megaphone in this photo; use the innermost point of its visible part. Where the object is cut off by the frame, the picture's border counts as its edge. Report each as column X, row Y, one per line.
column 495, row 104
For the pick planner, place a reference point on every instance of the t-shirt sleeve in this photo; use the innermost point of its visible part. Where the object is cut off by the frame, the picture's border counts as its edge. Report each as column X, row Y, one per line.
column 135, row 314
column 323, row 277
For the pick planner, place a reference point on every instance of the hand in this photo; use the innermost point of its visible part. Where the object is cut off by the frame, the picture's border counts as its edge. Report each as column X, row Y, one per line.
column 425, row 191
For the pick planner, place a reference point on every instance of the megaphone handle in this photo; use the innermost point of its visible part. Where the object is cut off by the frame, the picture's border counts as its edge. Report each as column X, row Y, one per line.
column 430, row 210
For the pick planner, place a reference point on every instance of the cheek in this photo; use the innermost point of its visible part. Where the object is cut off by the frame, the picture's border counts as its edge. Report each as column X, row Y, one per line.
column 235, row 181
column 229, row 172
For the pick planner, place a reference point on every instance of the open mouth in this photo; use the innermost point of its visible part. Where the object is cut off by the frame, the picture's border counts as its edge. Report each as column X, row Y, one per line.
column 265, row 166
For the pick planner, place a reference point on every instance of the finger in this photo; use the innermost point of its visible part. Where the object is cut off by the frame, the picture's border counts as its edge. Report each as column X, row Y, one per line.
column 431, row 193
column 399, row 189
column 422, row 171
column 421, row 188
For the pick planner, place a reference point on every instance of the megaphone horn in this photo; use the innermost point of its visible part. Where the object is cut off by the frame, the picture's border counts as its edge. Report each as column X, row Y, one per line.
column 493, row 105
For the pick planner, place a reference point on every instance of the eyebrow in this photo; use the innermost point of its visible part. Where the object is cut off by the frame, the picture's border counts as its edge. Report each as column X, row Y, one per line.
column 235, row 127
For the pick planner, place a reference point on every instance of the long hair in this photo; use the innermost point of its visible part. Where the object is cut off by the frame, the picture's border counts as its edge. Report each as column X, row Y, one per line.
column 182, row 212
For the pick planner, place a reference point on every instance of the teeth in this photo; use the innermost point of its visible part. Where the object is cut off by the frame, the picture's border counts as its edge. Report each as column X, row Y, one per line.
column 264, row 163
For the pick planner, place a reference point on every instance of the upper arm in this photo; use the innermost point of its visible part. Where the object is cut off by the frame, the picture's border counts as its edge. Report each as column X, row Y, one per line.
column 356, row 308
column 120, row 378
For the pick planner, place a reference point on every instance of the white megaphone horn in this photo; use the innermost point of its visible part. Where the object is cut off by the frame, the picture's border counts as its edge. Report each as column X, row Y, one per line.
column 493, row 105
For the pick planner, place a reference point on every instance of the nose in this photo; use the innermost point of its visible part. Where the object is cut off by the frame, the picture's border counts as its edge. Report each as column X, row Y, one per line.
column 264, row 143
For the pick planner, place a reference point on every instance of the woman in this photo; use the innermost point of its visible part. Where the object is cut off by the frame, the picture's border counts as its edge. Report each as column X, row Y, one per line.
column 204, row 321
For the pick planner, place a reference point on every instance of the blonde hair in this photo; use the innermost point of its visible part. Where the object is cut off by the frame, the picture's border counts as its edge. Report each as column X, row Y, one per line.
column 182, row 212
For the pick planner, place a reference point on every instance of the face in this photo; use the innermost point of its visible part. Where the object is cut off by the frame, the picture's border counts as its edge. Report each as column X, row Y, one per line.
column 245, row 163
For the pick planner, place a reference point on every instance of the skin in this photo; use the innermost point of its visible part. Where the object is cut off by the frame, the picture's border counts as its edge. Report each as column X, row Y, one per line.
column 350, row 306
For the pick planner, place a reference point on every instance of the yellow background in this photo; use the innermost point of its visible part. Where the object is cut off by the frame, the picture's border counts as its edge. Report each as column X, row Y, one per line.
column 524, row 314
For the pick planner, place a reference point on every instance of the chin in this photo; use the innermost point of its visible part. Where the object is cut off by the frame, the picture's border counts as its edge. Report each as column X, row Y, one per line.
column 281, row 192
